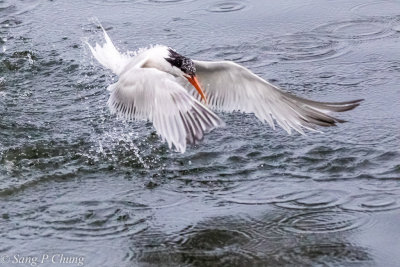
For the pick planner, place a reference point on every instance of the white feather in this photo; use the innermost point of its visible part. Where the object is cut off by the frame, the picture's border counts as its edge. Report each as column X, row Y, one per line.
column 229, row 86
column 108, row 56
column 150, row 94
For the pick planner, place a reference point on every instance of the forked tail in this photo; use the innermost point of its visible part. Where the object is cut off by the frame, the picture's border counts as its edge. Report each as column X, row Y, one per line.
column 108, row 56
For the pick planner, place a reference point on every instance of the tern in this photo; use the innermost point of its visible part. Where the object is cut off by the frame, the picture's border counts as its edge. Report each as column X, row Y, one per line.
column 178, row 95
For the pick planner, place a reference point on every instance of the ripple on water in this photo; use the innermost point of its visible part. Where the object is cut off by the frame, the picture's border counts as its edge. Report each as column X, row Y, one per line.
column 257, row 192
column 169, row 1
column 82, row 221
column 130, row 2
column 373, row 202
column 312, row 199
column 176, row 27
column 326, row 253
column 247, row 241
column 165, row 198
column 181, row 22
column 358, row 29
column 213, row 238
column 300, row 47
column 220, row 240
column 227, row 6
column 322, row 222
column 237, row 53
column 377, row 8
column 8, row 12
column 380, row 137
column 29, row 160
column 112, row 2
column 6, row 9
column 382, row 185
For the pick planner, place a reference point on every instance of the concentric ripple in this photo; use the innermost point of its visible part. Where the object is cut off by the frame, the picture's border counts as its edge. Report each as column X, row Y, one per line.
column 327, row 253
column 378, row 8
column 239, row 54
column 322, row 222
column 227, row 6
column 88, row 220
column 373, row 202
column 217, row 239
column 383, row 185
column 360, row 29
column 313, row 199
column 303, row 47
column 111, row 2
column 169, row 1
column 138, row 2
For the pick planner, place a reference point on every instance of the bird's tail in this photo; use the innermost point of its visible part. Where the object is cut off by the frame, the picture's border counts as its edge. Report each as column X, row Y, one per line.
column 108, row 56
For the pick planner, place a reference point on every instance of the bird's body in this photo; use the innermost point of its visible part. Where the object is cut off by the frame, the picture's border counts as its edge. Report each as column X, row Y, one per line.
column 160, row 85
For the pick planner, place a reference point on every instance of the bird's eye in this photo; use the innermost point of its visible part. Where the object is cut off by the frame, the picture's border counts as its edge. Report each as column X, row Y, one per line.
column 175, row 62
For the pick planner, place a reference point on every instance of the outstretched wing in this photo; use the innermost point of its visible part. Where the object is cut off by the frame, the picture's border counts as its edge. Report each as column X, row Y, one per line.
column 229, row 86
column 149, row 94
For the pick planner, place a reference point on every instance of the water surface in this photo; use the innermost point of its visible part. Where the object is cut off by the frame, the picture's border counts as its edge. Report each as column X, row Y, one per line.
column 76, row 181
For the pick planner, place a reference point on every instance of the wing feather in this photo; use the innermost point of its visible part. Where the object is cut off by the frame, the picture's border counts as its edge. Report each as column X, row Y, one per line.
column 229, row 87
column 149, row 94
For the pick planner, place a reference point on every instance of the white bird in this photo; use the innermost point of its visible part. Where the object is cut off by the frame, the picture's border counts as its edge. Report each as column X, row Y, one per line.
column 157, row 84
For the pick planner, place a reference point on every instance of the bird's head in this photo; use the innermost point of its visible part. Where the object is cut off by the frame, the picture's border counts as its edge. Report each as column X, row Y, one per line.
column 186, row 68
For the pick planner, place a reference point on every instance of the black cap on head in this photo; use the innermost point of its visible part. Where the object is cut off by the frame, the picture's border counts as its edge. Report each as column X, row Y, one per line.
column 183, row 63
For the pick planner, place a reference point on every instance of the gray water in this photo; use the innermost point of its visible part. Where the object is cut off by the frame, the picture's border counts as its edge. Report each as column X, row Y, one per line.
column 76, row 181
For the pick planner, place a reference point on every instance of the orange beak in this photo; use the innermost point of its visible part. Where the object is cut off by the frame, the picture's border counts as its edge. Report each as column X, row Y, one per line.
column 193, row 80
